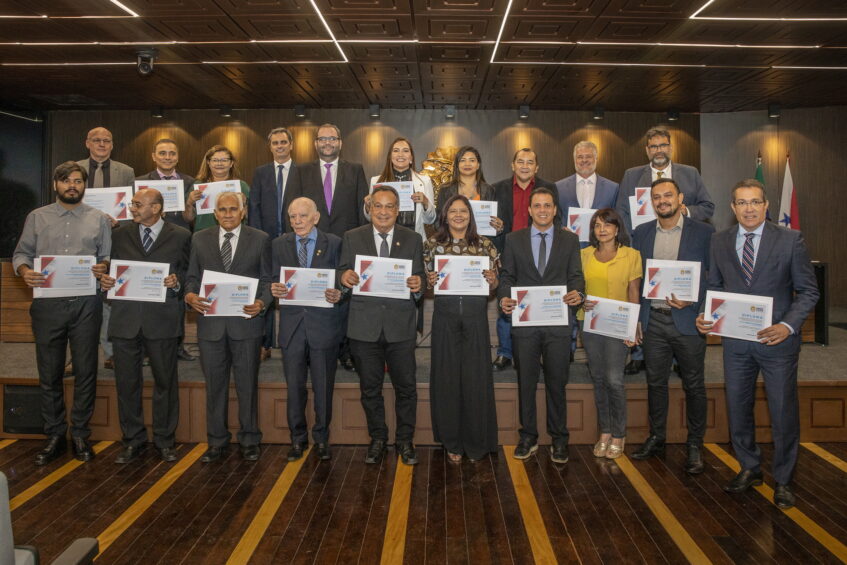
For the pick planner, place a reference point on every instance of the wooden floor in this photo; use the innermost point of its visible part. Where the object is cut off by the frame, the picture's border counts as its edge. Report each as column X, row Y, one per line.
column 496, row 511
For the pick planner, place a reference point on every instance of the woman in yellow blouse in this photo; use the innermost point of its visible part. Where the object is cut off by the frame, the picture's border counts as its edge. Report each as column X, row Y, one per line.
column 612, row 270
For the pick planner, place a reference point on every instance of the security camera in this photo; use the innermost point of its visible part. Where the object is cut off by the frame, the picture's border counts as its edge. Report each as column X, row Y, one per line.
column 145, row 61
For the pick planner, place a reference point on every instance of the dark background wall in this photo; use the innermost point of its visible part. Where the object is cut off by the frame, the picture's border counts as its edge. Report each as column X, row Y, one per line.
column 21, row 146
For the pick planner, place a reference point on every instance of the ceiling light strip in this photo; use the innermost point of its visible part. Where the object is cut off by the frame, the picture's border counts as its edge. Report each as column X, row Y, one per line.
column 12, row 114
column 727, row 19
column 500, row 33
column 124, row 8
column 707, row 45
column 700, row 9
column 329, row 31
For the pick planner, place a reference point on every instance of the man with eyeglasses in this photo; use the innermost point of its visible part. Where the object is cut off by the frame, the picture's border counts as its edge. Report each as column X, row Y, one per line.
column 763, row 259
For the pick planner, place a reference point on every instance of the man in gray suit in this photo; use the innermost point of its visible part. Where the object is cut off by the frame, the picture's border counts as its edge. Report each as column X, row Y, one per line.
column 760, row 258
column 585, row 188
column 230, row 343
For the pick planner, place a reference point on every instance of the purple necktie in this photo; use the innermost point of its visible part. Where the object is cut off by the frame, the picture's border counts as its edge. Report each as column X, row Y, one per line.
column 328, row 187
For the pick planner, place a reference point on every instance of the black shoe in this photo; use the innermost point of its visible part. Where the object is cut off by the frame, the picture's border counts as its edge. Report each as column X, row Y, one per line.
column 347, row 364
column 783, row 497
column 375, row 451
column 213, row 454
column 744, row 480
column 559, row 453
column 55, row 447
column 694, row 464
column 250, row 452
column 571, row 357
column 501, row 363
column 677, row 369
column 184, row 355
column 129, row 453
column 82, row 449
column 634, row 367
column 653, row 446
column 524, row 449
column 407, row 452
column 322, row 451
column 168, row 454
column 296, row 451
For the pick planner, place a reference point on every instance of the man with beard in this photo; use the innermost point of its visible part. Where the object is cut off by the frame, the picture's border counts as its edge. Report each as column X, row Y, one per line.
column 668, row 324
column 66, row 227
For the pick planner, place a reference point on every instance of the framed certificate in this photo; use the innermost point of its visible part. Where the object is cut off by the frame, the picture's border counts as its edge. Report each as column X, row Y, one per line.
column 173, row 192
column 740, row 316
column 462, row 275
column 228, row 294
column 540, row 306
column 113, row 201
column 612, row 318
column 482, row 212
column 382, row 277
column 66, row 275
column 306, row 287
column 640, row 207
column 579, row 222
column 680, row 278
column 138, row 280
column 404, row 189
column 210, row 191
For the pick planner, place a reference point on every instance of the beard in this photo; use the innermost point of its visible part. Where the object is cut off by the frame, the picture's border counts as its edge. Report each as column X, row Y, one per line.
column 70, row 199
column 659, row 159
column 667, row 214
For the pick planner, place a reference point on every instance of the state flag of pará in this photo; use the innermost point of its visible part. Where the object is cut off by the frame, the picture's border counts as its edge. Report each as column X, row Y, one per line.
column 789, row 212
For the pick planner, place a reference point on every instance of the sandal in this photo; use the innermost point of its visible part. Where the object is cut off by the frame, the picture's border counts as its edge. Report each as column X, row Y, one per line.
column 454, row 457
column 615, row 451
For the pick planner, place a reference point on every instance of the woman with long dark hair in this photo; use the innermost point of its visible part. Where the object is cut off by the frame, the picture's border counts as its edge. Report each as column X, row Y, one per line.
column 468, row 181
column 218, row 164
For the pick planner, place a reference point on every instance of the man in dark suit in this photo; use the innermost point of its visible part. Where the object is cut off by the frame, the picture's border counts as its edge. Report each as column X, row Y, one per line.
column 529, row 259
column 309, row 336
column 230, row 343
column 667, row 323
column 382, row 330
column 585, row 188
column 759, row 258
column 512, row 196
column 153, row 328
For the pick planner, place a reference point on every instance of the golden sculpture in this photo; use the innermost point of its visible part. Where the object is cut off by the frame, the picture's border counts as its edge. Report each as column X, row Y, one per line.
column 438, row 166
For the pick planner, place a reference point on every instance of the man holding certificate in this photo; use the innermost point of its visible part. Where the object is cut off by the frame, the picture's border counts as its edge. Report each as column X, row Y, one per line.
column 66, row 228
column 230, row 343
column 166, row 158
column 671, row 247
column 152, row 253
column 381, row 329
column 548, row 258
column 311, row 327
column 763, row 260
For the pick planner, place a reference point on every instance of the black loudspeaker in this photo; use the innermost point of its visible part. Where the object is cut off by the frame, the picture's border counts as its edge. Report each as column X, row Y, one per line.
column 822, row 307
column 22, row 409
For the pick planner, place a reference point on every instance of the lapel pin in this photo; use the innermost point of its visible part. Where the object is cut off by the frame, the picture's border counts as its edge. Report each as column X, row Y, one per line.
column 397, row 243
column 318, row 252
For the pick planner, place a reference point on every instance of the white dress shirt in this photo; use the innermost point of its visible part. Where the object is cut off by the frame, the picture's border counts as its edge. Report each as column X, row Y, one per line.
column 333, row 171
column 378, row 240
column 233, row 242
column 666, row 172
column 585, row 190
column 155, row 230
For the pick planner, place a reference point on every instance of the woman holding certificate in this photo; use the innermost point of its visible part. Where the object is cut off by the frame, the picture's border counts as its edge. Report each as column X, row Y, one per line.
column 612, row 270
column 461, row 382
column 219, row 165
column 468, row 181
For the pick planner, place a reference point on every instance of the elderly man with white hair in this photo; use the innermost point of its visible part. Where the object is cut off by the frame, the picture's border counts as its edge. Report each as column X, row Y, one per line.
column 585, row 188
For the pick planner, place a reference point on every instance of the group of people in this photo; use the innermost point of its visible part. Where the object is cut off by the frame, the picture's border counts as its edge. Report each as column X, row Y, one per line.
column 323, row 214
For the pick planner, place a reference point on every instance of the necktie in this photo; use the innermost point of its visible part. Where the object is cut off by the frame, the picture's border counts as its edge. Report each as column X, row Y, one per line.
column 168, row 177
column 226, row 251
column 303, row 254
column 98, row 176
column 542, row 253
column 383, row 247
column 279, row 169
column 147, row 241
column 659, row 174
column 328, row 187
column 748, row 258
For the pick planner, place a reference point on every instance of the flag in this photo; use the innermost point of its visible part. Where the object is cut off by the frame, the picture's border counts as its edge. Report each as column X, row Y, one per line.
column 789, row 212
column 760, row 176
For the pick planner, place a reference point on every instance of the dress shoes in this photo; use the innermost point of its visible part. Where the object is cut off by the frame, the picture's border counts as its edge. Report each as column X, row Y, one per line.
column 653, row 446
column 559, row 453
column 296, row 451
column 407, row 452
column 265, row 355
column 500, row 363
column 129, row 453
column 525, row 449
column 82, row 449
column 168, row 454
column 55, row 447
column 322, row 451
column 183, row 354
column 213, row 454
column 783, row 497
column 744, row 480
column 375, row 451
column 634, row 367
column 347, row 364
column 109, row 364
column 250, row 452
column 694, row 463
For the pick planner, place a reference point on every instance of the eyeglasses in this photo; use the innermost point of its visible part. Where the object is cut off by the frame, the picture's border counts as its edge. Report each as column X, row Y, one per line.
column 661, row 146
column 380, row 206
column 134, row 204
column 98, row 141
column 78, row 182
column 220, row 161
column 756, row 203
column 328, row 139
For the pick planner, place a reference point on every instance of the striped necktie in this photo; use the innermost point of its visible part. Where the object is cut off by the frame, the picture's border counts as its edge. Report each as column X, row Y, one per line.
column 748, row 258
column 147, row 241
column 226, row 251
column 303, row 254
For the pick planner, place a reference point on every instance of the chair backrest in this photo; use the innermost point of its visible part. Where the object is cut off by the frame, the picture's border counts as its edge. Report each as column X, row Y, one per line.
column 7, row 543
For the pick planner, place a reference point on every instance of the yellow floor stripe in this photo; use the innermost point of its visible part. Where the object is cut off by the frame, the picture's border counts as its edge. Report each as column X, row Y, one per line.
column 6, row 442
column 50, row 479
column 131, row 514
column 539, row 541
column 257, row 528
column 677, row 531
column 394, row 543
column 826, row 455
column 812, row 528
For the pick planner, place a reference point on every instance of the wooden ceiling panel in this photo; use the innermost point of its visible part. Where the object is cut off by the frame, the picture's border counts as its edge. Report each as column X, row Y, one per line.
column 199, row 28
column 777, row 9
column 631, row 30
column 606, row 54
column 439, row 71
column 364, row 7
column 264, row 7
column 451, row 28
column 452, row 52
column 60, row 8
column 545, row 29
column 530, row 53
column 652, row 9
column 168, row 8
column 286, row 26
column 361, row 52
column 482, row 7
column 374, row 28
column 386, row 70
column 576, row 8
column 301, row 51
column 234, row 52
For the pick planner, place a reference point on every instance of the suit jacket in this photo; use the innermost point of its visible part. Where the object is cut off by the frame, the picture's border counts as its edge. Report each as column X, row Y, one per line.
column 351, row 187
column 188, row 186
column 505, row 206
column 694, row 245
column 370, row 316
column 119, row 174
column 252, row 258
column 697, row 198
column 605, row 193
column 563, row 268
column 264, row 202
column 156, row 320
column 323, row 326
column 783, row 271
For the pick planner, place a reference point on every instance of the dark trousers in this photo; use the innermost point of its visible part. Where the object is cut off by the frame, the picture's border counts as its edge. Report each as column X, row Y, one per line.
column 662, row 343
column 298, row 361
column 268, row 342
column 742, row 361
column 534, row 349
column 504, row 335
column 57, row 322
column 129, row 357
column 218, row 359
column 370, row 358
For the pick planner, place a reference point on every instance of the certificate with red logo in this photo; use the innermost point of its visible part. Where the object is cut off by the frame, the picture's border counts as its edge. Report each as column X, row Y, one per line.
column 227, row 294
column 462, row 275
column 112, row 201
column 209, row 194
column 306, row 287
column 612, row 318
column 65, row 275
column 680, row 278
column 579, row 222
column 540, row 306
column 138, row 280
column 383, row 277
column 172, row 191
column 640, row 207
column 741, row 316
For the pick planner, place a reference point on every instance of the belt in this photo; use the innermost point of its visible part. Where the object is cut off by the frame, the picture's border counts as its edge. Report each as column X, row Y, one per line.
column 665, row 311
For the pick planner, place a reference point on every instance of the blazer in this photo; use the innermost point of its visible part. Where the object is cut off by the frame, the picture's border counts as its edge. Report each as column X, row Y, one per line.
column 351, row 187
column 369, row 316
column 188, row 185
column 697, row 199
column 694, row 245
column 422, row 215
column 505, row 206
column 264, row 202
column 563, row 268
column 783, row 271
column 119, row 174
column 446, row 191
column 323, row 326
column 605, row 193
column 252, row 258
column 154, row 319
